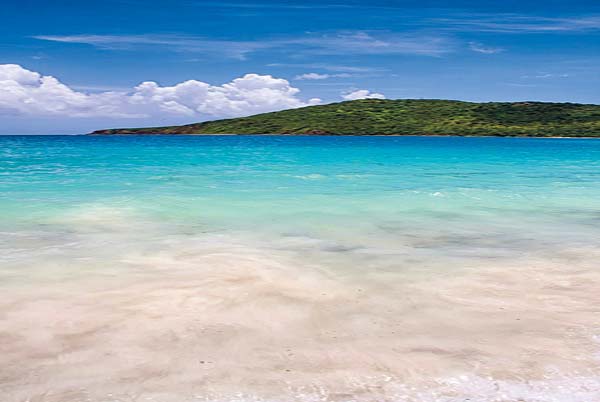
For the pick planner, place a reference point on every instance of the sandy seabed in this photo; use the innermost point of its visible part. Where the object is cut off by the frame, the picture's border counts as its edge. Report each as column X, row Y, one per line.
column 113, row 313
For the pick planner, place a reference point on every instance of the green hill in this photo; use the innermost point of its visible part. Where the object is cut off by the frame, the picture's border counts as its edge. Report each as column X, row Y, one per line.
column 406, row 117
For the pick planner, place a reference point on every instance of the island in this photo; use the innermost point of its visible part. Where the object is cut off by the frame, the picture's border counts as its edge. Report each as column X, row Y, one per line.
column 405, row 117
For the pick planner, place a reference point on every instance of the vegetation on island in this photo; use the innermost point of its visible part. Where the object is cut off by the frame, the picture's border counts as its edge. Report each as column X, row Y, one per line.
column 406, row 117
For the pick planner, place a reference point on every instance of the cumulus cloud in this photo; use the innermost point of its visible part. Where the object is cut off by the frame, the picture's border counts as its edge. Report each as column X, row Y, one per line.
column 312, row 76
column 25, row 92
column 362, row 94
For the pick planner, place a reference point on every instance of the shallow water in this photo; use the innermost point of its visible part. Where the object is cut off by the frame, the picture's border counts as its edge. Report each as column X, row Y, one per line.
column 273, row 268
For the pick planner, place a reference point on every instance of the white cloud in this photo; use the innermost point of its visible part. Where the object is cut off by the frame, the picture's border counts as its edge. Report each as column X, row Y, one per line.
column 512, row 23
column 312, row 76
column 480, row 48
column 544, row 76
column 362, row 94
column 317, row 76
column 24, row 92
column 14, row 72
column 331, row 43
column 330, row 67
column 178, row 43
column 373, row 43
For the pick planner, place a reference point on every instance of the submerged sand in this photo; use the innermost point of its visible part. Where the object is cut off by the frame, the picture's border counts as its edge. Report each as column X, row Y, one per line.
column 114, row 313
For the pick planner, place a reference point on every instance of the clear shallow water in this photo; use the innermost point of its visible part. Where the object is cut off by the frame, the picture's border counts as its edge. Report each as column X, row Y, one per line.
column 299, row 268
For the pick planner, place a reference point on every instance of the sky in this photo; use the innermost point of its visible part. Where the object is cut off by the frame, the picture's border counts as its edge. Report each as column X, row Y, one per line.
column 70, row 67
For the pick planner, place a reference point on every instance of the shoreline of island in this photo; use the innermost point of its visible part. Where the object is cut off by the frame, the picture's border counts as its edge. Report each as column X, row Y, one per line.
column 93, row 134
column 419, row 117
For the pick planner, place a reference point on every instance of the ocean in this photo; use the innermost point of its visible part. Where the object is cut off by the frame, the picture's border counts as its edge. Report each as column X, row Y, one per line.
column 298, row 268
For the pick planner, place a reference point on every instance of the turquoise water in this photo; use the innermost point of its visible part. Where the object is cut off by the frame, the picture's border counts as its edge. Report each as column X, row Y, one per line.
column 461, row 227
column 241, row 181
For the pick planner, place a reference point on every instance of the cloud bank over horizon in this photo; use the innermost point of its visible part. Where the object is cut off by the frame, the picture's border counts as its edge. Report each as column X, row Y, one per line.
column 28, row 93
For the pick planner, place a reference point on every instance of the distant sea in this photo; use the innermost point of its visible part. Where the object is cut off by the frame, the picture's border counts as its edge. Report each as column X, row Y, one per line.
column 248, row 268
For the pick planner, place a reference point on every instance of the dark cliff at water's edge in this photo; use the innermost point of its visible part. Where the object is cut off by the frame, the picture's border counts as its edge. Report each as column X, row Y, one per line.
column 405, row 117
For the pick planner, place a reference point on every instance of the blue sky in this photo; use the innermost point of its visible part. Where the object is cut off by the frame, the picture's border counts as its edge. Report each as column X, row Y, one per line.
column 326, row 51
